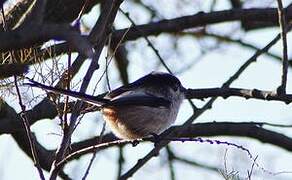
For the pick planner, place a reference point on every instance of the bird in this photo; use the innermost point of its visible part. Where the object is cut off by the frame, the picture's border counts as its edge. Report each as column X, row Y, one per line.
column 147, row 106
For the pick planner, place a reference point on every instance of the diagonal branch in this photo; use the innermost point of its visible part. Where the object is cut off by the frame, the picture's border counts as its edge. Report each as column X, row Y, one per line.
column 36, row 15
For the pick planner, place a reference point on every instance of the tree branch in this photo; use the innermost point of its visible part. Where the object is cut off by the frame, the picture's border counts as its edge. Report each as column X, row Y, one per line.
column 199, row 130
column 201, row 19
column 245, row 93
column 282, row 23
column 26, row 36
column 186, row 22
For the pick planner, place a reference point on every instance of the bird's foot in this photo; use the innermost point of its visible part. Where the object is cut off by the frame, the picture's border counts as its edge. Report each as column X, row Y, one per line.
column 135, row 142
column 156, row 139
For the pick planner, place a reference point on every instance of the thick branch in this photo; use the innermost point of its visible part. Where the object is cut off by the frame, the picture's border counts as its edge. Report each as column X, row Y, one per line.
column 245, row 93
column 186, row 22
column 201, row 19
column 10, row 121
column 28, row 35
column 282, row 23
column 61, row 11
column 64, row 11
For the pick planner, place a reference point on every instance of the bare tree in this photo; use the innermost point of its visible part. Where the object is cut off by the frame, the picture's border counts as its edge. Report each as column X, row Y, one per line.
column 51, row 41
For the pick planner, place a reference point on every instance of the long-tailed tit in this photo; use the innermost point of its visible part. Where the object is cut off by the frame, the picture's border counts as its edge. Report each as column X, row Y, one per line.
column 147, row 106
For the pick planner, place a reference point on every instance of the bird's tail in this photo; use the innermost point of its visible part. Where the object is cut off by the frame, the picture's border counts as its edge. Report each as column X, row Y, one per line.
column 85, row 97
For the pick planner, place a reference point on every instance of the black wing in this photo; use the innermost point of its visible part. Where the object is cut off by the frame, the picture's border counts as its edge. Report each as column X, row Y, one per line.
column 139, row 100
column 120, row 90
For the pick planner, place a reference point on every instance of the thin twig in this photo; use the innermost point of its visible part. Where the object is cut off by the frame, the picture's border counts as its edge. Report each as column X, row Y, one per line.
column 241, row 129
column 172, row 139
column 94, row 153
column 170, row 157
column 148, row 41
column 28, row 132
column 227, row 39
column 92, row 149
column 66, row 106
column 36, row 15
column 111, row 58
column 121, row 161
column 249, row 173
column 193, row 163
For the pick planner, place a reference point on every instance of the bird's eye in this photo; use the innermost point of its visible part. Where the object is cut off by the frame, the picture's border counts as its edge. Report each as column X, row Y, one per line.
column 175, row 87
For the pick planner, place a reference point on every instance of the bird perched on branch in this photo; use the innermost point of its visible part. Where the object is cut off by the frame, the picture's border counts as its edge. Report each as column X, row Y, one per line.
column 147, row 106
